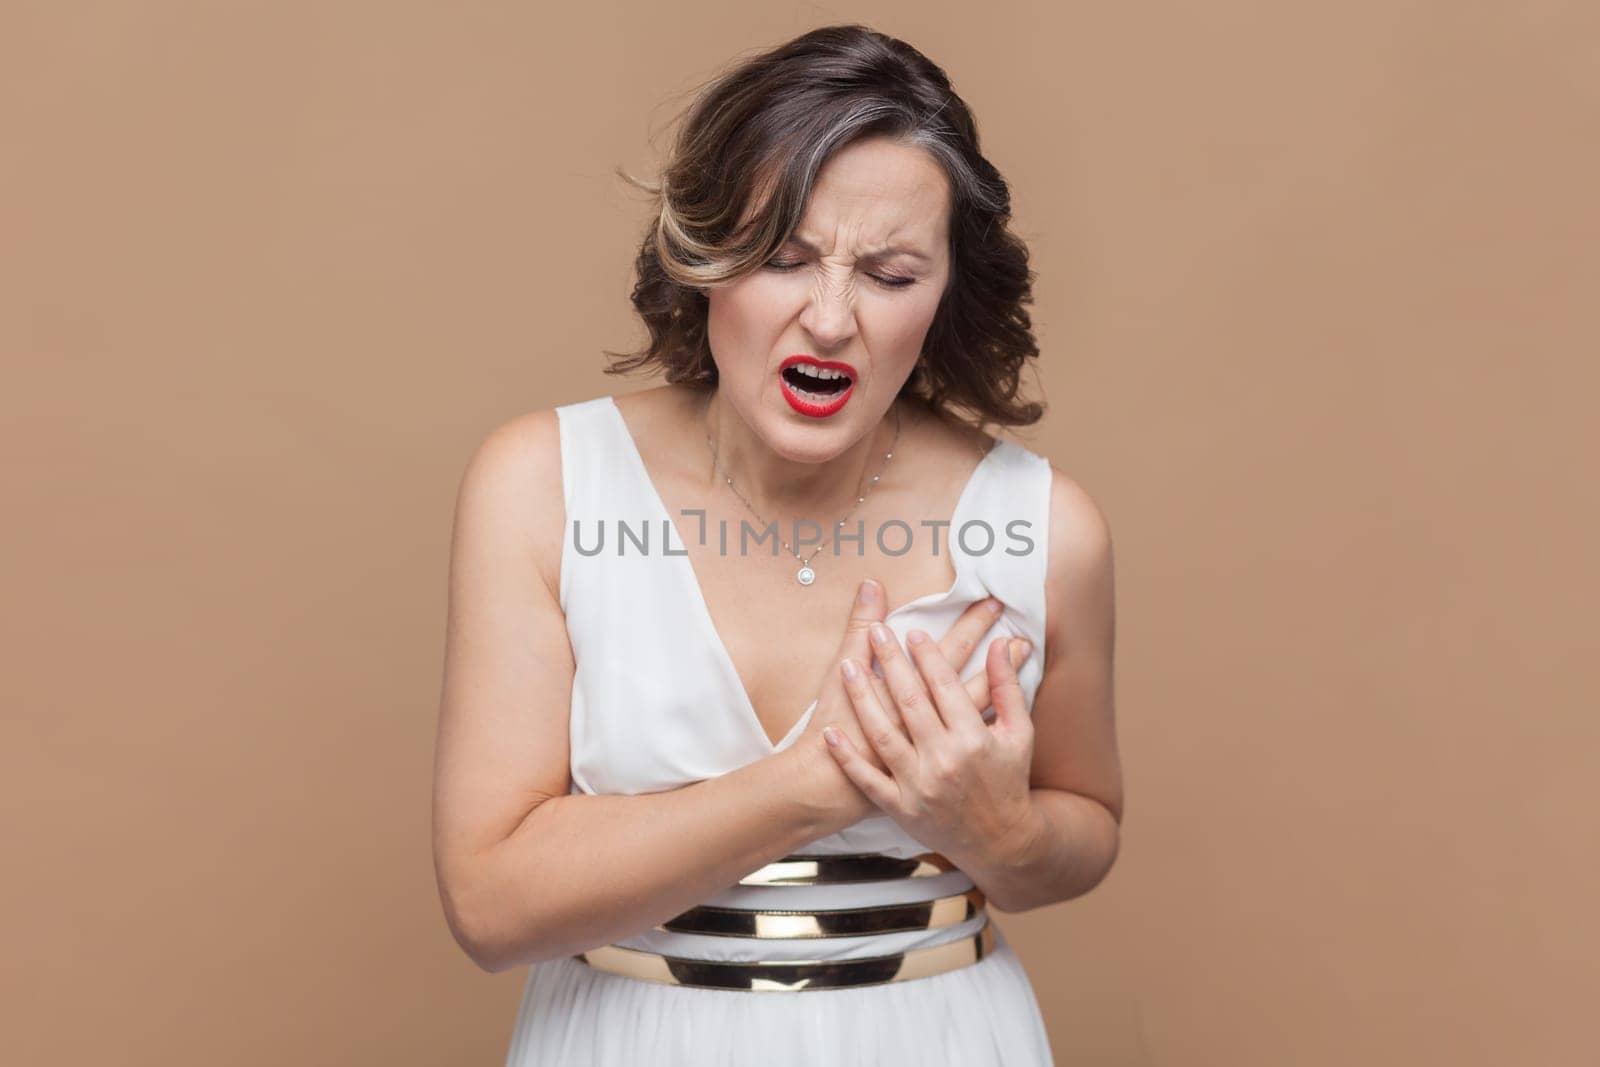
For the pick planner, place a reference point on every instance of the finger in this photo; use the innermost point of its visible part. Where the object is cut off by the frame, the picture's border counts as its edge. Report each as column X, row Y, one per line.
column 866, row 609
column 879, row 728
column 1010, row 711
column 944, row 685
column 978, row 684
column 877, row 786
column 880, row 689
column 906, row 688
column 968, row 629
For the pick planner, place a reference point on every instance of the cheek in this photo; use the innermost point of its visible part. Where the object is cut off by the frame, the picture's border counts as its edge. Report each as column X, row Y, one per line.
column 900, row 327
column 752, row 307
column 744, row 325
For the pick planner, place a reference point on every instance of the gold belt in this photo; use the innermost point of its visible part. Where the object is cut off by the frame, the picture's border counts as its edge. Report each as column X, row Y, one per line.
column 799, row 975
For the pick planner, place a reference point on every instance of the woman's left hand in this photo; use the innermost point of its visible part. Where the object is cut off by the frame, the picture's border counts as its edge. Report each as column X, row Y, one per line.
column 956, row 784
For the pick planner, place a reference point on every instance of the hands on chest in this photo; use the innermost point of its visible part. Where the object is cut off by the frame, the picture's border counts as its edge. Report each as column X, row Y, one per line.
column 913, row 743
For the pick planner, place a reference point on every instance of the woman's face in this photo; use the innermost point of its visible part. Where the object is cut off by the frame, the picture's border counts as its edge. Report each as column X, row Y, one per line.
column 855, row 287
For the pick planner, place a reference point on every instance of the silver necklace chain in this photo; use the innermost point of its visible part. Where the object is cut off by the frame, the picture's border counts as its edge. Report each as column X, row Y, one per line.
column 806, row 574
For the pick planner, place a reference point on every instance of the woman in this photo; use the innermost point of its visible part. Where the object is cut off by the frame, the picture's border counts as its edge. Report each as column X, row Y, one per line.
column 628, row 764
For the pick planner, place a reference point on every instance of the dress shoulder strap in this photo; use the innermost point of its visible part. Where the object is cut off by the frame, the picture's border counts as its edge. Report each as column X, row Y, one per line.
column 597, row 481
column 1004, row 532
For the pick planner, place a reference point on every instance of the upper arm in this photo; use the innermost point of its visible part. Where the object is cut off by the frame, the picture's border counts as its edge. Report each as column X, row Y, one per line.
column 502, row 745
column 1075, row 740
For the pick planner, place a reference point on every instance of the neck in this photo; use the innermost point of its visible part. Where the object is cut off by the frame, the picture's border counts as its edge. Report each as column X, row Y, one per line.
column 779, row 487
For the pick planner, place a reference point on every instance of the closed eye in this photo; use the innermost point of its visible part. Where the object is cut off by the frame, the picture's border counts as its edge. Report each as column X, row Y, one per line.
column 889, row 282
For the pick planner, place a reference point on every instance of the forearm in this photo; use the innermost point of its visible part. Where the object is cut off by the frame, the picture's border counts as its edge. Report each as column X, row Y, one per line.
column 583, row 871
column 1061, row 851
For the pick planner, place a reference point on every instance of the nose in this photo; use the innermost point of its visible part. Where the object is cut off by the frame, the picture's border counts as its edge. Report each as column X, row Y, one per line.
column 830, row 315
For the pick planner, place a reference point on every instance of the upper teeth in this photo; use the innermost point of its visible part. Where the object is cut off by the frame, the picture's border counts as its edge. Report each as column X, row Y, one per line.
column 822, row 373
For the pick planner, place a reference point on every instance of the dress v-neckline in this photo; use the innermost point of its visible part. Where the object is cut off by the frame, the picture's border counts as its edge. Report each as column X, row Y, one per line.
column 709, row 625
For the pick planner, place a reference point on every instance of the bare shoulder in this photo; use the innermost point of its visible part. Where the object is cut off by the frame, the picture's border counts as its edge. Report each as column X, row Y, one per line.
column 660, row 417
column 1079, row 595
column 513, row 483
column 948, row 443
column 1074, row 709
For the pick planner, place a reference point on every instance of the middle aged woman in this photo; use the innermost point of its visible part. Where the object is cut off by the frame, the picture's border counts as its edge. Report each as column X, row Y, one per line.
column 637, row 787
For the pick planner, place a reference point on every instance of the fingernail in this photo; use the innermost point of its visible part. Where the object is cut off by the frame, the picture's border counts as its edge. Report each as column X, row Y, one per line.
column 866, row 593
column 1024, row 645
column 830, row 735
column 992, row 606
column 916, row 637
column 880, row 633
column 851, row 671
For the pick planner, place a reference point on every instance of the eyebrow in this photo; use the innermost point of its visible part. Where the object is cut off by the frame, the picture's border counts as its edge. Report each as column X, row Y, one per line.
column 876, row 253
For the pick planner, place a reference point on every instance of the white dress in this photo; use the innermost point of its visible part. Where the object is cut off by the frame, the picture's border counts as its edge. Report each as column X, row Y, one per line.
column 658, row 704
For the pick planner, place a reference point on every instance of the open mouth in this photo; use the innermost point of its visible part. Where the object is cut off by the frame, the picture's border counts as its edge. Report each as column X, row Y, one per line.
column 816, row 384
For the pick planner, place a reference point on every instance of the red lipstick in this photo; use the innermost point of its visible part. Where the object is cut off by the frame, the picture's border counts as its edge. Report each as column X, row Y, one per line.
column 816, row 409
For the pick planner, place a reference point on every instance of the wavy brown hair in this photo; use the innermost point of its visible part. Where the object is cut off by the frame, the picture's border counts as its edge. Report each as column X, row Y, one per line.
column 735, row 185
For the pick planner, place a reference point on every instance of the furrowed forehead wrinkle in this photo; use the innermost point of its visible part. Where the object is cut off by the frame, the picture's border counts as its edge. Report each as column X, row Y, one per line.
column 876, row 253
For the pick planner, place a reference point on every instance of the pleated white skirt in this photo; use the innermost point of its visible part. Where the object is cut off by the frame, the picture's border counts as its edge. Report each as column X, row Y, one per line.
column 981, row 1015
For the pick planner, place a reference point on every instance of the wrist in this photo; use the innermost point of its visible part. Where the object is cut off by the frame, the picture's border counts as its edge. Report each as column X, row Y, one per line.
column 819, row 785
column 1003, row 862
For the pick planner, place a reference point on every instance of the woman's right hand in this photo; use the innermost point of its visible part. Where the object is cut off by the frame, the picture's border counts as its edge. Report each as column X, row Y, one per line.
column 843, row 803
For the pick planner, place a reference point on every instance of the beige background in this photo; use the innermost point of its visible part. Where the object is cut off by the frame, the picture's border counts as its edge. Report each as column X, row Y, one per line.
column 1317, row 301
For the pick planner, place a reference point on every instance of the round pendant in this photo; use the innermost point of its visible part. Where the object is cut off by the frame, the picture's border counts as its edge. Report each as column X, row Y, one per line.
column 806, row 575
